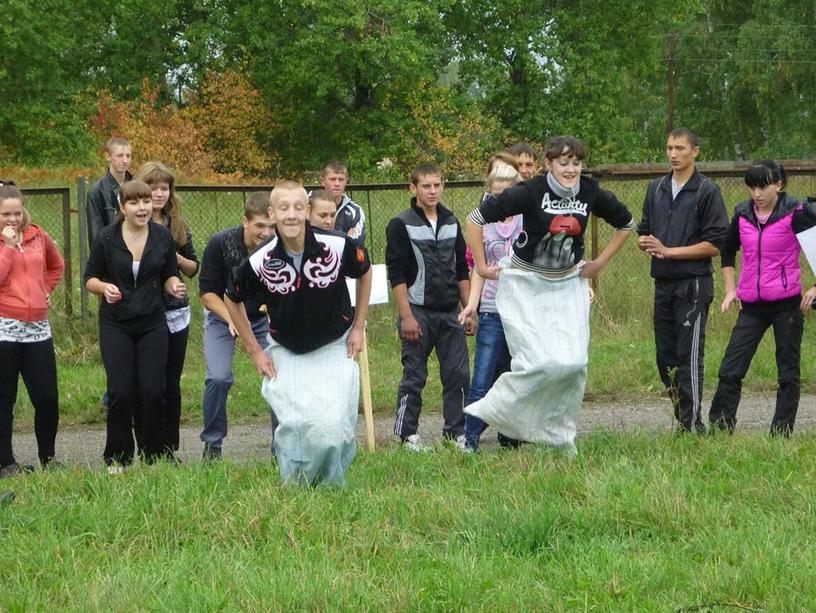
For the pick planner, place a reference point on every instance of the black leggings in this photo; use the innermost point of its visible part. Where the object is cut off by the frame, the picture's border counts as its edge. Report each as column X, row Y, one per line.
column 176, row 352
column 38, row 366
column 135, row 363
column 753, row 321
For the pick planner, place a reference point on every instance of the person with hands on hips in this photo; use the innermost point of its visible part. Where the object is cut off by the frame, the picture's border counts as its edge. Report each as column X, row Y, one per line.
column 543, row 297
column 131, row 264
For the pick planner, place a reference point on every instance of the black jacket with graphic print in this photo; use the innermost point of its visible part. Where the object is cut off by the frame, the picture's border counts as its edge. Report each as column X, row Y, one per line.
column 224, row 251
column 350, row 216
column 308, row 307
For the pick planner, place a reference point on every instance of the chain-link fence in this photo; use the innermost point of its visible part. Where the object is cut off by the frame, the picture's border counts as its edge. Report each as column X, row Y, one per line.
column 50, row 208
column 209, row 209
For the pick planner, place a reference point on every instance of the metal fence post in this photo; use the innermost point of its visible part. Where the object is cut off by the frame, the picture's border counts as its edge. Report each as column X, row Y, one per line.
column 82, row 206
column 66, row 246
column 371, row 233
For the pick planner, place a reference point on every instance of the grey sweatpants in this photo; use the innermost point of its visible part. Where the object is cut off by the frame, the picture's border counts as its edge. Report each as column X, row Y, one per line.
column 219, row 349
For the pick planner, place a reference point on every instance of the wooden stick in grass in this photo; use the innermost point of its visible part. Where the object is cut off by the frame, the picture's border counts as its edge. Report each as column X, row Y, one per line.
column 365, row 378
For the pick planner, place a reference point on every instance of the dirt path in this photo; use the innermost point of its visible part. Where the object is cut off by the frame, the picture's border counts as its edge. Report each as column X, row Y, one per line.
column 251, row 440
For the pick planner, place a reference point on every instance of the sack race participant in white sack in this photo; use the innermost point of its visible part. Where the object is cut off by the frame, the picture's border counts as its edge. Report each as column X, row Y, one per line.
column 311, row 380
column 546, row 324
column 543, row 298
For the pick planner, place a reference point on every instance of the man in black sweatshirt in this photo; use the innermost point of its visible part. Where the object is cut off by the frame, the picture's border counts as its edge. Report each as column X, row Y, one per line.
column 683, row 226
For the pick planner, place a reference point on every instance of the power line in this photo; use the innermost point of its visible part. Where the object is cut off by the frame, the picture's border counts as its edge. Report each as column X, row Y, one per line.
column 724, row 36
column 764, row 25
column 745, row 60
column 780, row 36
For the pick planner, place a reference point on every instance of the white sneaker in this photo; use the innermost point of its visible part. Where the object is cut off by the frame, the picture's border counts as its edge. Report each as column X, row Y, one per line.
column 411, row 443
column 461, row 444
column 117, row 469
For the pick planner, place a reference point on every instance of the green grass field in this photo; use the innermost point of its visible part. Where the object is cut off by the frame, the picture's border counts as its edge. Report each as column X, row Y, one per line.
column 638, row 522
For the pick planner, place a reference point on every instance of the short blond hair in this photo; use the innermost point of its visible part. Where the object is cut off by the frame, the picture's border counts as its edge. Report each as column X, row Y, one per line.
column 116, row 141
column 337, row 166
column 287, row 186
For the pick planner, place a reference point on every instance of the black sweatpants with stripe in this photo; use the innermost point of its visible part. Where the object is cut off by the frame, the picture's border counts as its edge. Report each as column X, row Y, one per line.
column 680, row 316
column 440, row 331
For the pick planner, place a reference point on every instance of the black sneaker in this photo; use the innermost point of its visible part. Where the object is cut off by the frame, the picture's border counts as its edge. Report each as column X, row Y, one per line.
column 211, row 453
column 14, row 469
column 6, row 498
column 51, row 464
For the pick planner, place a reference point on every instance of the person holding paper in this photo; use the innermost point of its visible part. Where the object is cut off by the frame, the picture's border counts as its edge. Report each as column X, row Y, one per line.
column 769, row 292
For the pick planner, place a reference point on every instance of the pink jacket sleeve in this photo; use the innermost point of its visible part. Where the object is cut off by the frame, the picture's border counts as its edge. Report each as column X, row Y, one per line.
column 54, row 264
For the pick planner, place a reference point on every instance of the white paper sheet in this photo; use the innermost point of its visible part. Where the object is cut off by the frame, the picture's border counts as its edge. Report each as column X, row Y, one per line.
column 379, row 286
column 807, row 240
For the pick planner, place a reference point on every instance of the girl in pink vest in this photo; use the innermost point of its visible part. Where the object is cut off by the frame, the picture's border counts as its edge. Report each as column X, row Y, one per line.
column 769, row 292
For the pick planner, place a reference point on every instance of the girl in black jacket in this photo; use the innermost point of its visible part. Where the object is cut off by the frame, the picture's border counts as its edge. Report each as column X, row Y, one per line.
column 131, row 262
column 167, row 212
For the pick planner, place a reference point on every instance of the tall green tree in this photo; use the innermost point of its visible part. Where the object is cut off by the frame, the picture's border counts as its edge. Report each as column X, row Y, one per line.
column 507, row 59
column 339, row 74
column 594, row 68
column 41, row 81
column 55, row 56
column 747, row 77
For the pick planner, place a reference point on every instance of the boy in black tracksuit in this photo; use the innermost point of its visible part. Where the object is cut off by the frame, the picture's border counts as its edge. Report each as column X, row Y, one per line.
column 684, row 225
column 428, row 292
column 103, row 204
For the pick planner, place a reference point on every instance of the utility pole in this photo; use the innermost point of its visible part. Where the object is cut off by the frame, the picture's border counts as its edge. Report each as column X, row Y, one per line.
column 671, row 75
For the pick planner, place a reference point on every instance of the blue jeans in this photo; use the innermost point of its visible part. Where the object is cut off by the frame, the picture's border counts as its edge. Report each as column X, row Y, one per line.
column 219, row 349
column 491, row 359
